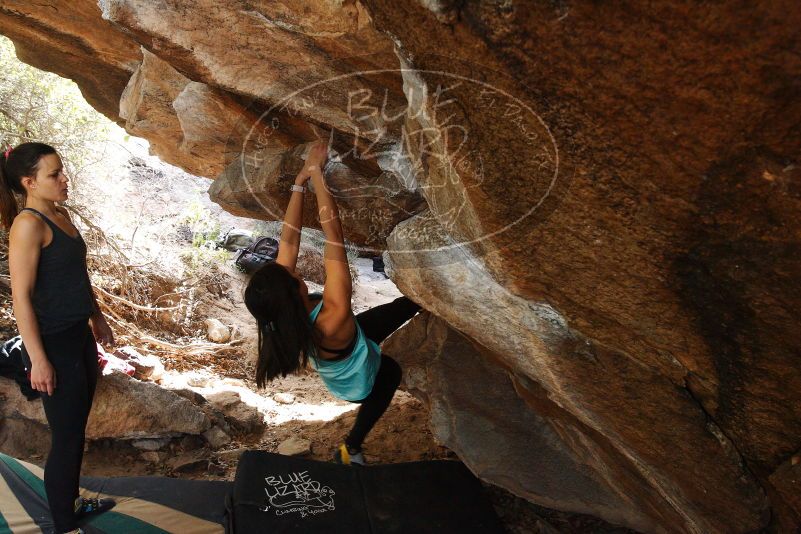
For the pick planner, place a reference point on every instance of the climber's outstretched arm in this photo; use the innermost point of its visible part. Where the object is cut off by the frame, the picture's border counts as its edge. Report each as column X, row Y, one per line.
column 289, row 246
column 338, row 284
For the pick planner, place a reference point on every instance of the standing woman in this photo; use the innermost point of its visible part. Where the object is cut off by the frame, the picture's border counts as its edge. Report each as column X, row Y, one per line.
column 296, row 328
column 53, row 302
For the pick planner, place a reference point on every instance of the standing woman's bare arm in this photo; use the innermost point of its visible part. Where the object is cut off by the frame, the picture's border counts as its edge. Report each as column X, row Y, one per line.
column 24, row 247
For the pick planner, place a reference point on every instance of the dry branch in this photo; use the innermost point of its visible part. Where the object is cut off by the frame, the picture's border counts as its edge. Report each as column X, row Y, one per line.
column 133, row 304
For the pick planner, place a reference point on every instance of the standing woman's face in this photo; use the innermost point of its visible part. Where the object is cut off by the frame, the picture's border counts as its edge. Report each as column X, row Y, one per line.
column 50, row 182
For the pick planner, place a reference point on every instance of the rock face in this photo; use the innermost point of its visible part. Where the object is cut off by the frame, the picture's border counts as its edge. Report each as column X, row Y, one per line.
column 598, row 204
column 123, row 408
column 242, row 417
column 187, row 123
column 527, row 444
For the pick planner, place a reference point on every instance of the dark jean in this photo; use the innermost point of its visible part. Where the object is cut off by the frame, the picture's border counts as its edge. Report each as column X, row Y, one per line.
column 73, row 354
column 377, row 324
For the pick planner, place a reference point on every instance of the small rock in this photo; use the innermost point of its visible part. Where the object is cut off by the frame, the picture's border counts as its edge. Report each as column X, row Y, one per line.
column 215, row 469
column 233, row 382
column 145, row 367
column 225, row 399
column 198, row 381
column 294, row 447
column 188, row 461
column 193, row 396
column 217, row 332
column 151, row 456
column 150, row 444
column 230, row 456
column 191, row 442
column 127, row 353
column 284, row 398
column 216, row 437
column 242, row 417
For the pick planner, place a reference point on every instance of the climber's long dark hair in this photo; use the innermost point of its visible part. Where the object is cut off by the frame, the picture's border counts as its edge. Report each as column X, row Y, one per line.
column 286, row 335
column 23, row 160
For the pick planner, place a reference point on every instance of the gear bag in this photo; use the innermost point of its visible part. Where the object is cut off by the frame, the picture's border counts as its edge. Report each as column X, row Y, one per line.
column 251, row 259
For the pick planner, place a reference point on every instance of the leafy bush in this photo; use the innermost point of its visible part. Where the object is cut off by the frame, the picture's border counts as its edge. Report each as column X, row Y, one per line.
column 41, row 106
column 204, row 226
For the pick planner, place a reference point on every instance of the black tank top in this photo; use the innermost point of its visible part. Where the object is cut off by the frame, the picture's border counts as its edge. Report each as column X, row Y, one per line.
column 62, row 295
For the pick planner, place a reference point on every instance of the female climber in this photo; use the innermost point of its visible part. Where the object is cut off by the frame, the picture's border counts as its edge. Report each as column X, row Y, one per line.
column 53, row 304
column 296, row 328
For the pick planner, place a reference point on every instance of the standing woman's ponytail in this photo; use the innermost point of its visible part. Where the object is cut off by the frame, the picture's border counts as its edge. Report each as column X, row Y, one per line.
column 14, row 164
column 8, row 202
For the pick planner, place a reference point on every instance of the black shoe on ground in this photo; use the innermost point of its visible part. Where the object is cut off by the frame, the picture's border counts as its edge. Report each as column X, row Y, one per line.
column 93, row 506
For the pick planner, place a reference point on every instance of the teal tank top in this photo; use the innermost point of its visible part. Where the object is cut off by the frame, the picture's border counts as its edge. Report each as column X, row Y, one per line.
column 350, row 379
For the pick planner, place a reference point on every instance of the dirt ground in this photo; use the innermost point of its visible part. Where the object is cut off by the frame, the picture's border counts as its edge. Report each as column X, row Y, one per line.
column 402, row 434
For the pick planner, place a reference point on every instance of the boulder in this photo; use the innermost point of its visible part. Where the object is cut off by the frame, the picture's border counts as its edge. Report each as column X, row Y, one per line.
column 525, row 444
column 14, row 405
column 604, row 199
column 23, row 438
column 162, row 105
column 193, row 396
column 82, row 47
column 367, row 217
column 123, row 408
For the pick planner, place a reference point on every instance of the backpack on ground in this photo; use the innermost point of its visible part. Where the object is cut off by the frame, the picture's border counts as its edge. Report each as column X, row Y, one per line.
column 251, row 259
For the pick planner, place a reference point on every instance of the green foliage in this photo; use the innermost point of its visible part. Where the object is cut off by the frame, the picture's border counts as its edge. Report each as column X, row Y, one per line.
column 41, row 106
column 205, row 228
column 203, row 254
column 199, row 259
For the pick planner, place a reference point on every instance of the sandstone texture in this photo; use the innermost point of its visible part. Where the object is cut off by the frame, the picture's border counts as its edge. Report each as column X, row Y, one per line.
column 596, row 204
column 123, row 408
column 242, row 417
column 294, row 446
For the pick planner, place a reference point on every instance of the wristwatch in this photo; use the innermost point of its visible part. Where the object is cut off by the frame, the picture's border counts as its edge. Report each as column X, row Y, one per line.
column 298, row 188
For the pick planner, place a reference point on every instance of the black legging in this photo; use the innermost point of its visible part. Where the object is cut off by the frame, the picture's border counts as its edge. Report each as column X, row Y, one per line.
column 378, row 323
column 73, row 354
